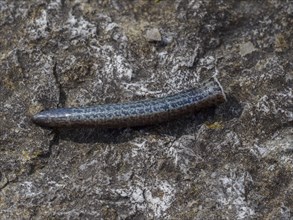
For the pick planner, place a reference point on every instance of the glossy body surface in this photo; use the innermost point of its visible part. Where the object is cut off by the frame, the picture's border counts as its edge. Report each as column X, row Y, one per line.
column 136, row 113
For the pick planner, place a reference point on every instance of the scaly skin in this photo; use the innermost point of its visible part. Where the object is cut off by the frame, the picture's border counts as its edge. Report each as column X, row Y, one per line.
column 137, row 113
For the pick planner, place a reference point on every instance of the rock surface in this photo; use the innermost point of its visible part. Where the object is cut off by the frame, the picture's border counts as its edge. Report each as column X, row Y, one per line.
column 230, row 162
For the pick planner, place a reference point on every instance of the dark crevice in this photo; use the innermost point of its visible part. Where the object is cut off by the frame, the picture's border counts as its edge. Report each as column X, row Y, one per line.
column 230, row 109
column 53, row 142
column 62, row 94
column 6, row 184
column 63, row 3
column 40, row 161
column 2, row 176
column 20, row 61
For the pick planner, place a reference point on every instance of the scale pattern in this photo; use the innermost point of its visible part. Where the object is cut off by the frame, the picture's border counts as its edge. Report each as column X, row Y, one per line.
column 136, row 113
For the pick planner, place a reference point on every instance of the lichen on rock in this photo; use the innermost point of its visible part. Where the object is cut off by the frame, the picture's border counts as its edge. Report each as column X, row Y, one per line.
column 233, row 161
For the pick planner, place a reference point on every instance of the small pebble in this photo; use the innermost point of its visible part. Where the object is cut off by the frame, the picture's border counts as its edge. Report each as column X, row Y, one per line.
column 153, row 35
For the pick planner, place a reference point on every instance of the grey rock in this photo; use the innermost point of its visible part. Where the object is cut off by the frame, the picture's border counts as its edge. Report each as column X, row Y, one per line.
column 229, row 162
column 153, row 34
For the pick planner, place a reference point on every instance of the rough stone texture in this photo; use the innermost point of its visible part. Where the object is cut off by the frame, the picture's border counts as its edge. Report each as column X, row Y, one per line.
column 230, row 162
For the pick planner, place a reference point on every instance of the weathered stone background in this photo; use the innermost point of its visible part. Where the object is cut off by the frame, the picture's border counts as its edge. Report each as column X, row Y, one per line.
column 230, row 162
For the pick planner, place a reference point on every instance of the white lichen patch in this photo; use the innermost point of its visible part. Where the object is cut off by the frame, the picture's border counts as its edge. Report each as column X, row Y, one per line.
column 278, row 105
column 259, row 151
column 29, row 189
column 207, row 62
column 153, row 200
column 160, row 203
column 80, row 28
column 231, row 195
column 280, row 147
column 85, row 166
column 54, row 4
column 182, row 153
column 12, row 11
column 114, row 64
column 139, row 145
column 270, row 68
column 39, row 27
column 175, row 66
column 140, row 89
column 43, row 83
column 124, row 69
